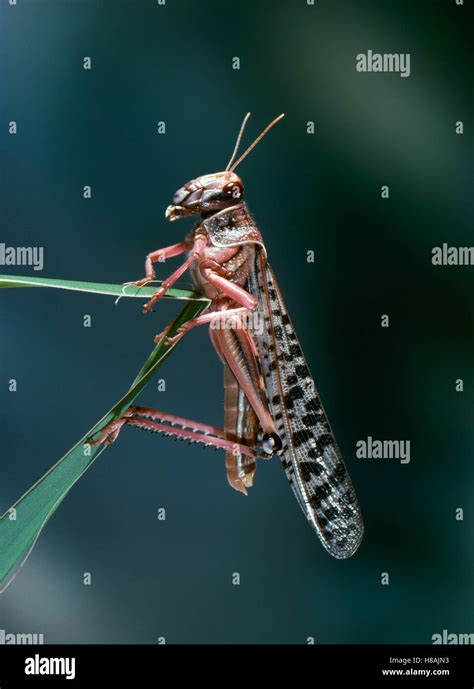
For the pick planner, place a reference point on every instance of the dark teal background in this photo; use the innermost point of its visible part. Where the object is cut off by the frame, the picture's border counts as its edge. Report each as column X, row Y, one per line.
column 172, row 63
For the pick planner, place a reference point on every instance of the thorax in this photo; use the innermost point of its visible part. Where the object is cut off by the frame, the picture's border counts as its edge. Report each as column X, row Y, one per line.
column 231, row 262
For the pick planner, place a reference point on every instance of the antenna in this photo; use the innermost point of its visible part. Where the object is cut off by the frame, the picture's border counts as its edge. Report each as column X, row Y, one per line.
column 259, row 137
column 237, row 143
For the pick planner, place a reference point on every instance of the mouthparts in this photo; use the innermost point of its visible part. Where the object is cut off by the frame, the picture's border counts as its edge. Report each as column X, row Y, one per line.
column 174, row 212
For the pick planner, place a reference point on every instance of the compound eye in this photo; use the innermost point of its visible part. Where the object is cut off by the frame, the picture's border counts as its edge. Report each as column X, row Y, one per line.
column 233, row 189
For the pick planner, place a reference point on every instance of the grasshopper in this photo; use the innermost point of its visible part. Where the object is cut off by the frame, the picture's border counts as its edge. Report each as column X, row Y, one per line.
column 271, row 405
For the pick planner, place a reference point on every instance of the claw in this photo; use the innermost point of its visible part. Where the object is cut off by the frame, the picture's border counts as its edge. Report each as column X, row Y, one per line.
column 148, row 308
column 158, row 338
column 109, row 433
column 140, row 283
column 173, row 340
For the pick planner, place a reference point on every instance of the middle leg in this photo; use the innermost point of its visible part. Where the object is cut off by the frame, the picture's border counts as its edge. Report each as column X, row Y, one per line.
column 214, row 315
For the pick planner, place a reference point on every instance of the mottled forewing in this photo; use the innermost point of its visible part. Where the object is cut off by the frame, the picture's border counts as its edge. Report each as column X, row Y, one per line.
column 311, row 458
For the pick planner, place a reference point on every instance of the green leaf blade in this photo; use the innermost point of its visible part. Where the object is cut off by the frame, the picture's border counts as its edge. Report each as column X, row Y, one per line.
column 9, row 281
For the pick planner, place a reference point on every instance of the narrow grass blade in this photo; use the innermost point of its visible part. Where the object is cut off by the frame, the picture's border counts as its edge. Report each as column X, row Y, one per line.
column 97, row 288
column 22, row 524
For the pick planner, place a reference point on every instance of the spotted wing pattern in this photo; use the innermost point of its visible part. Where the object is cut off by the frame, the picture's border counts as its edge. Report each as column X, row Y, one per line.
column 311, row 457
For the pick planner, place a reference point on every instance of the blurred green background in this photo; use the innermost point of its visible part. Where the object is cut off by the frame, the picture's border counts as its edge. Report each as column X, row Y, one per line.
column 173, row 63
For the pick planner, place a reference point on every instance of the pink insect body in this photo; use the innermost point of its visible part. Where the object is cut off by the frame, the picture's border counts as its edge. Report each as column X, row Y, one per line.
column 271, row 405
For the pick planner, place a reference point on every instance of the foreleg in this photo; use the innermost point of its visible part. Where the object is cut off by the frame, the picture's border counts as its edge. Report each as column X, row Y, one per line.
column 195, row 254
column 154, row 257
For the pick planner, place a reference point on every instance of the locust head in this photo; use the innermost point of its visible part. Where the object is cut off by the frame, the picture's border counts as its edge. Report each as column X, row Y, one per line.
column 211, row 193
column 206, row 194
